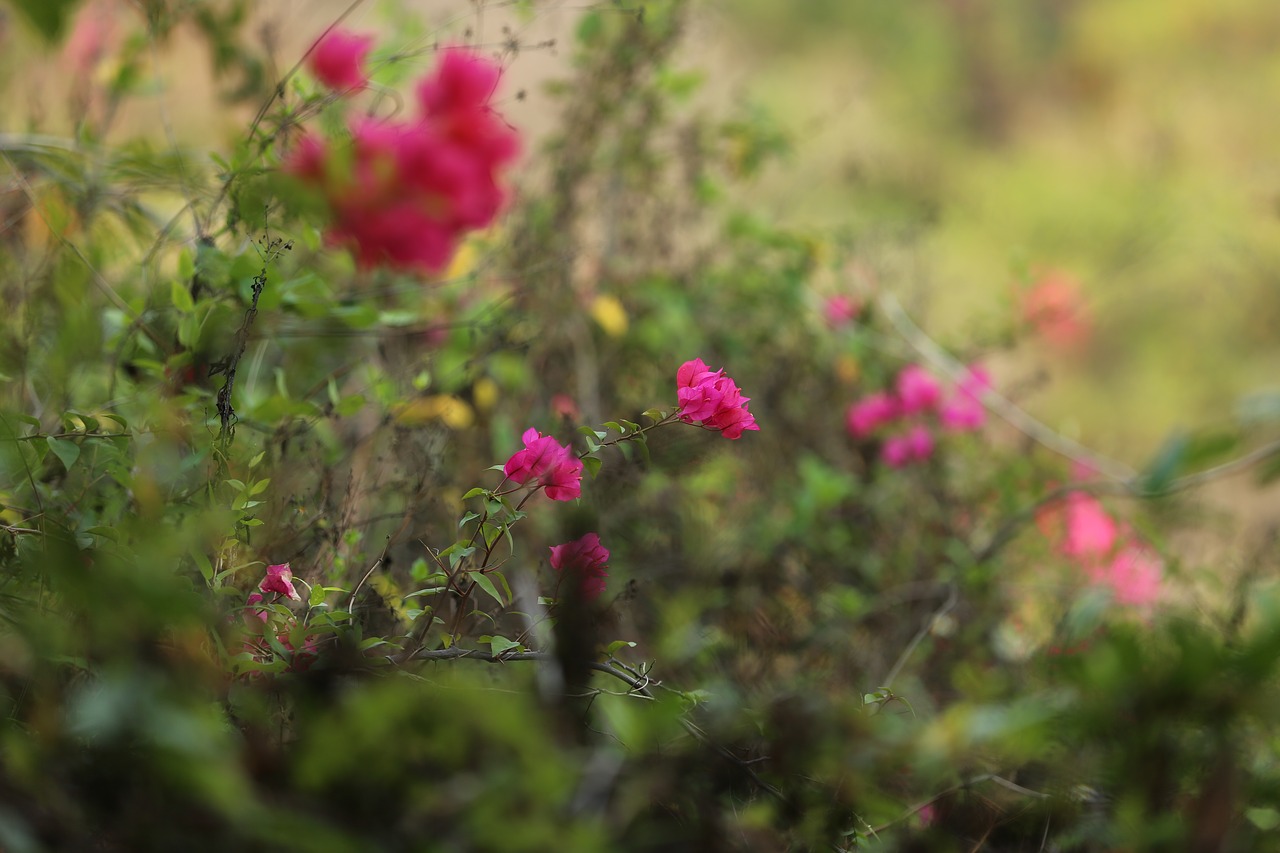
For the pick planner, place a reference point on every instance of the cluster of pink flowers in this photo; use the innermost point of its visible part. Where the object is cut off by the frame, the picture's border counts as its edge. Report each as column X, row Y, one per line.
column 714, row 399
column 586, row 560
column 916, row 403
column 548, row 464
column 1109, row 553
column 403, row 193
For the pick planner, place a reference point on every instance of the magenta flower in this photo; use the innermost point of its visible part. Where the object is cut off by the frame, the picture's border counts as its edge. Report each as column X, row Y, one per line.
column 917, row 390
column 585, row 559
column 712, row 398
column 547, row 462
column 279, row 580
column 870, row 413
column 337, row 60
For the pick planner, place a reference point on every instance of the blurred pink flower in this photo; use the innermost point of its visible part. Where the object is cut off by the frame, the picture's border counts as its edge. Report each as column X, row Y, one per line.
column 840, row 310
column 258, row 612
column 916, row 445
column 279, row 580
column 917, row 389
column 870, row 413
column 564, row 406
column 337, row 59
column 550, row 463
column 1134, row 575
column 92, row 37
column 1055, row 308
column 712, row 398
column 1089, row 530
column 964, row 412
column 585, row 559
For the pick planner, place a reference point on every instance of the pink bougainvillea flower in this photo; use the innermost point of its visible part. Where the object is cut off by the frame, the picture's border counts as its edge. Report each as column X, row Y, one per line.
column 1090, row 532
column 564, row 406
column 585, row 559
column 1055, row 309
column 840, row 310
column 915, row 445
column 1133, row 574
column 870, row 413
column 964, row 412
column 279, row 580
column 714, row 399
column 548, row 463
column 337, row 59
column 917, row 390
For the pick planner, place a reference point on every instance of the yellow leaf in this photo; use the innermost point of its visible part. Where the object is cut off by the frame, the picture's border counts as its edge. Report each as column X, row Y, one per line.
column 455, row 413
column 609, row 313
column 484, row 393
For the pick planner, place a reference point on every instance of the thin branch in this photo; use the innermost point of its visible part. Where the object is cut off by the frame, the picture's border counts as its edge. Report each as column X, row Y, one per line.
column 960, row 786
column 953, row 598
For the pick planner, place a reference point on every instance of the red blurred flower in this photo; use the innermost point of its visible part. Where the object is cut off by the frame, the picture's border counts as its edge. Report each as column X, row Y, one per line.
column 585, row 559
column 1055, row 308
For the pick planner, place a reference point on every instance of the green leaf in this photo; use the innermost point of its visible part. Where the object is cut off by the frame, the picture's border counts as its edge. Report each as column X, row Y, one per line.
column 506, row 587
column 475, row 493
column 592, row 465
column 260, row 486
column 590, row 27
column 502, row 644
column 105, row 533
column 236, row 484
column 617, row 644
column 48, row 16
column 348, row 406
column 1166, row 464
column 317, row 596
column 431, row 590
column 181, row 297
column 202, row 563
column 1264, row 818
column 67, row 451
column 484, row 583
